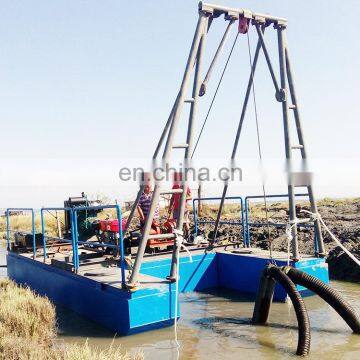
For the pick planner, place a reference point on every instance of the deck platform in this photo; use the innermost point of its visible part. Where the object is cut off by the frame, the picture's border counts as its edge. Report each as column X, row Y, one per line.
column 96, row 293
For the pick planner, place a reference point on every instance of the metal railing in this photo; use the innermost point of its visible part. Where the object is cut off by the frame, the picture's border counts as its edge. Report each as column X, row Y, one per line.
column 43, row 232
column 74, row 240
column 244, row 214
column 237, row 223
column 249, row 224
column 120, row 245
column 8, row 229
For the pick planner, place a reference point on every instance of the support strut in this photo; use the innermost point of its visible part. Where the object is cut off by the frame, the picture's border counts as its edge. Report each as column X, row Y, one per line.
column 267, row 57
column 201, row 25
column 214, row 60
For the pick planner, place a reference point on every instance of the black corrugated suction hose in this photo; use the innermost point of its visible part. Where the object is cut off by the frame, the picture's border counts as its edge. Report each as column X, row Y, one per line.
column 331, row 296
column 304, row 336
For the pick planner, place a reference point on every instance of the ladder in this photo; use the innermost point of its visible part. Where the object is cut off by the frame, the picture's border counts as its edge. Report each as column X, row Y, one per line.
column 300, row 146
column 194, row 63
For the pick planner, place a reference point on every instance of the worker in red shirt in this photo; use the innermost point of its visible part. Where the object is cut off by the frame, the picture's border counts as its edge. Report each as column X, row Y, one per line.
column 174, row 207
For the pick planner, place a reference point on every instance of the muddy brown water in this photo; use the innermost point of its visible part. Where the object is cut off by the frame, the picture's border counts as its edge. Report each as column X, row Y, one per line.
column 216, row 325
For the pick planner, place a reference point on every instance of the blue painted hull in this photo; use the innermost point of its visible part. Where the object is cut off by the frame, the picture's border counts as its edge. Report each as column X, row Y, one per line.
column 119, row 310
column 231, row 271
column 127, row 312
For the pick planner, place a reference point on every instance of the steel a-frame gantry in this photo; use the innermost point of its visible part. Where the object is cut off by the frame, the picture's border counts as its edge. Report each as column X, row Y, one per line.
column 246, row 19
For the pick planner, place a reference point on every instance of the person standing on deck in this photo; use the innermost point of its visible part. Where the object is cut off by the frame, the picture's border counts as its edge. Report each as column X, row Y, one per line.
column 174, row 207
column 143, row 207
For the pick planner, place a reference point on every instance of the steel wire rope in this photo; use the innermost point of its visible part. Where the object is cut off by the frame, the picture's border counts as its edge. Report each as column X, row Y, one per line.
column 259, row 141
column 215, row 94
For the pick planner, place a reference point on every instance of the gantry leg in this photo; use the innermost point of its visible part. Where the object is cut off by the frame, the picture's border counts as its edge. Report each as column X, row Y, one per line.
column 295, row 107
column 173, row 124
column 285, row 110
column 188, row 151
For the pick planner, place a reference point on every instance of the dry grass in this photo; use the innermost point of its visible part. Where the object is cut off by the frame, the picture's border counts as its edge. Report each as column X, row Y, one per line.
column 27, row 323
column 338, row 202
column 229, row 211
column 23, row 223
column 232, row 211
column 85, row 352
column 25, row 314
column 28, row 330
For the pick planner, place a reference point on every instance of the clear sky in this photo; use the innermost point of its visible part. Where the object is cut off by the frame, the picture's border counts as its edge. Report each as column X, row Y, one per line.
column 87, row 85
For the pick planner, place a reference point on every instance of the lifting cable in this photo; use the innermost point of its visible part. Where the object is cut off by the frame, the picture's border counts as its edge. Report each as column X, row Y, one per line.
column 259, row 142
column 215, row 94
